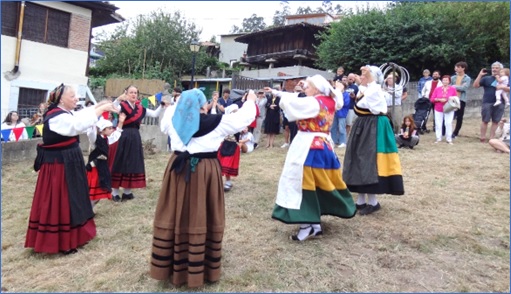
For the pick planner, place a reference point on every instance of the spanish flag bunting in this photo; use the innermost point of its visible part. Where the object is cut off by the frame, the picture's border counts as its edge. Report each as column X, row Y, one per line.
column 6, row 134
column 30, row 131
column 40, row 128
column 17, row 133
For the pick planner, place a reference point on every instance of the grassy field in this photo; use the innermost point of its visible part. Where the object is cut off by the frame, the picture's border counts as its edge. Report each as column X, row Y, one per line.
column 448, row 233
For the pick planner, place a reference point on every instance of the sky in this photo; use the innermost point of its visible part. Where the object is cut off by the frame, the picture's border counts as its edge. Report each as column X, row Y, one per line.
column 216, row 18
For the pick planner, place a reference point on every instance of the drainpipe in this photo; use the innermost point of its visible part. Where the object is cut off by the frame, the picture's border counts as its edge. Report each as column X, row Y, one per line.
column 14, row 73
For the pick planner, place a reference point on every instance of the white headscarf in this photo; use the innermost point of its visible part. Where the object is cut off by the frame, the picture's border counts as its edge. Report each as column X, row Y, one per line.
column 376, row 74
column 103, row 124
column 326, row 88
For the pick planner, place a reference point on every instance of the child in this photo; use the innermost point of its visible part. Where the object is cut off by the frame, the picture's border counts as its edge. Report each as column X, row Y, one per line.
column 502, row 79
column 98, row 172
column 246, row 141
column 229, row 153
column 407, row 136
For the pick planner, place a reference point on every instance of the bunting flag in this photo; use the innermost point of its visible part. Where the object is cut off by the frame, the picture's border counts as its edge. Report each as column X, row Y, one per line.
column 105, row 114
column 145, row 102
column 30, row 131
column 17, row 133
column 152, row 99
column 6, row 134
column 40, row 128
column 158, row 96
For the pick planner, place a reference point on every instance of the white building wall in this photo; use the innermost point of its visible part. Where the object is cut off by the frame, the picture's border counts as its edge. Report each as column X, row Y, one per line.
column 231, row 50
column 41, row 66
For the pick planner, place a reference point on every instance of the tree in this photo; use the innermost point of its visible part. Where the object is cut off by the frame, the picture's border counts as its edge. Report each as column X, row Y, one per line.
column 279, row 18
column 418, row 36
column 150, row 46
column 252, row 24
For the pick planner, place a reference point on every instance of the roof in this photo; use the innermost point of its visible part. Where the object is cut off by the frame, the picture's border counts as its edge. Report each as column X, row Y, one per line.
column 246, row 37
column 308, row 15
column 103, row 13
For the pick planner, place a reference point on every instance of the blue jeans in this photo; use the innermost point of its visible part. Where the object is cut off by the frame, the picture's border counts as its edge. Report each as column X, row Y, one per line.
column 338, row 130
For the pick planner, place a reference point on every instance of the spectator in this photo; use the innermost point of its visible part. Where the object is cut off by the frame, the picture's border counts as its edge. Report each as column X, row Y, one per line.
column 272, row 121
column 428, row 89
column 261, row 105
column 488, row 110
column 461, row 83
column 246, row 141
column 407, row 136
column 440, row 96
column 502, row 80
column 338, row 129
column 353, row 91
column 12, row 121
column 393, row 94
column 501, row 144
column 422, row 81
column 225, row 101
column 339, row 74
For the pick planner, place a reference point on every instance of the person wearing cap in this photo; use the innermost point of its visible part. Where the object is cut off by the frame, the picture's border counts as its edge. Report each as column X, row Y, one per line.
column 371, row 162
column 311, row 182
column 61, row 216
column 98, row 172
column 189, row 219
column 426, row 76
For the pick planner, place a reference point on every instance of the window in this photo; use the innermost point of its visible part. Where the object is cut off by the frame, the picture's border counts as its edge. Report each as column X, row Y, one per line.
column 40, row 24
column 10, row 11
column 28, row 101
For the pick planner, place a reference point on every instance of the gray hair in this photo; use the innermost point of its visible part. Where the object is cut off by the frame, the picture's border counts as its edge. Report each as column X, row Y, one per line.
column 496, row 63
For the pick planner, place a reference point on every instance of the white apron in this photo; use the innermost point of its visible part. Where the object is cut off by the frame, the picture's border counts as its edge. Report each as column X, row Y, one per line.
column 289, row 194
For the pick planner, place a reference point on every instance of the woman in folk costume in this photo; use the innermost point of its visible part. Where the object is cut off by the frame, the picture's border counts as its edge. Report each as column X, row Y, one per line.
column 371, row 162
column 229, row 153
column 190, row 214
column 98, row 171
column 128, row 170
column 61, row 217
column 311, row 182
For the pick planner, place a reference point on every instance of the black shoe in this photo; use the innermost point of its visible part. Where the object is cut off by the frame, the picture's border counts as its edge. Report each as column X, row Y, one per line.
column 401, row 146
column 70, row 251
column 411, row 147
column 361, row 206
column 311, row 234
column 126, row 197
column 116, row 198
column 370, row 209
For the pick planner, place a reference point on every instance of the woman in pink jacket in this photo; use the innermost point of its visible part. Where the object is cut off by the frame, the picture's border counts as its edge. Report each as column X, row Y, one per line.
column 439, row 98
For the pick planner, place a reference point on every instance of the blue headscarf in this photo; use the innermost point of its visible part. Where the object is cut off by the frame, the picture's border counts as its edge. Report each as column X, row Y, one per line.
column 187, row 114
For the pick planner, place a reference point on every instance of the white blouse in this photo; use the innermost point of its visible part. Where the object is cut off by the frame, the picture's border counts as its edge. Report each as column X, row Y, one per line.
column 373, row 99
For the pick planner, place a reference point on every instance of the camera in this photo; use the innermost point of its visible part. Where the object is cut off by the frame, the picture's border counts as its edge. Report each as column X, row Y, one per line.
column 484, row 70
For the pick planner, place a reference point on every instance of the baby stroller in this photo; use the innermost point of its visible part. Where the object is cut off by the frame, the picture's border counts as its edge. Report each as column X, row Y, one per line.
column 420, row 117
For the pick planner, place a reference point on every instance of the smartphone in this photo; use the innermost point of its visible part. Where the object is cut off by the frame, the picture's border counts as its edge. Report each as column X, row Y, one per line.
column 485, row 70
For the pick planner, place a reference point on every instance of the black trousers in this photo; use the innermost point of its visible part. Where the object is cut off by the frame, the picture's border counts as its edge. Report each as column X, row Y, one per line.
column 459, row 118
column 293, row 129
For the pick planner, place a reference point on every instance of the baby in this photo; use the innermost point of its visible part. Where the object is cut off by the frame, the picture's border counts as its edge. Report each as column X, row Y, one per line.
column 502, row 79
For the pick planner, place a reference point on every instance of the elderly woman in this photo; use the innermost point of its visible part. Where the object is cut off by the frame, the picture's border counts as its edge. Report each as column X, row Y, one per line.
column 190, row 215
column 439, row 97
column 311, row 182
column 61, row 217
column 371, row 162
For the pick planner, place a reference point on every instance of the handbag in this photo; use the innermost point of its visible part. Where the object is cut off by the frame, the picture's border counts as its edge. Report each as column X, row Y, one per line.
column 453, row 103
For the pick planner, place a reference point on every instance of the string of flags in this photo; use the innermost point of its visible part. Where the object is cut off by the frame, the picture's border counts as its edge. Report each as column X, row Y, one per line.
column 18, row 132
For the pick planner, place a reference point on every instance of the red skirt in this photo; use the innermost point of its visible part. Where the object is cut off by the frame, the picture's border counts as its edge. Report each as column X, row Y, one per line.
column 49, row 228
column 230, row 164
column 96, row 192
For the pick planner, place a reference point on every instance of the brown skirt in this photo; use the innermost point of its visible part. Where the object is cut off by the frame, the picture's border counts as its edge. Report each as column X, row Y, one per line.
column 189, row 226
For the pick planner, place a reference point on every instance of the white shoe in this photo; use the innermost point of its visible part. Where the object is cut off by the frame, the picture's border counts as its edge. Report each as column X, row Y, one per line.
column 438, row 141
column 497, row 103
column 342, row 145
column 285, row 145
